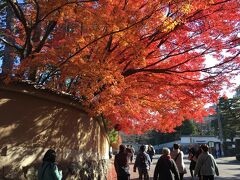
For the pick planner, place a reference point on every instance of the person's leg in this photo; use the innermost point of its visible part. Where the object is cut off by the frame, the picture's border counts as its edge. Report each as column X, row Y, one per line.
column 211, row 177
column 181, row 176
column 191, row 168
column 146, row 176
column 191, row 172
column 140, row 172
column 199, row 176
column 123, row 176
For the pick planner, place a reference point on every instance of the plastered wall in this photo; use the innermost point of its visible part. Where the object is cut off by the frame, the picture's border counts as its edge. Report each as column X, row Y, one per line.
column 32, row 120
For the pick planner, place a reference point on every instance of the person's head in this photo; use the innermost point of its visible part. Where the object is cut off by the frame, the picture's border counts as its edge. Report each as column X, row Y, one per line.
column 166, row 151
column 149, row 146
column 200, row 147
column 205, row 147
column 50, row 156
column 122, row 148
column 176, row 146
column 142, row 148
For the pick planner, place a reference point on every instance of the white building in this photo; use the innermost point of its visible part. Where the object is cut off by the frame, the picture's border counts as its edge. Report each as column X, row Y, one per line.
column 199, row 139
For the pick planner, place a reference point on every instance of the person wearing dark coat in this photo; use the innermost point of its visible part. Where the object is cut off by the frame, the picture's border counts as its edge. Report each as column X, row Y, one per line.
column 143, row 163
column 193, row 159
column 151, row 151
column 121, row 163
column 166, row 168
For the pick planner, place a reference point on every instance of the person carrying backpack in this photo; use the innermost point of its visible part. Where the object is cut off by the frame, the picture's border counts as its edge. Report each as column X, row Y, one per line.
column 143, row 163
column 206, row 165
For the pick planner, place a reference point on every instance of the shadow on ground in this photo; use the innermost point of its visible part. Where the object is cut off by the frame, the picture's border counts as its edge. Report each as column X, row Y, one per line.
column 216, row 178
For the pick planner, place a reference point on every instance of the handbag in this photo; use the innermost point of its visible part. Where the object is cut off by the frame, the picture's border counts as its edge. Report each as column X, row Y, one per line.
column 185, row 170
column 125, row 170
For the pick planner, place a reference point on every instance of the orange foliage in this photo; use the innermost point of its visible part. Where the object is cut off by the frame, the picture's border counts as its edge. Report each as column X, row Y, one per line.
column 139, row 63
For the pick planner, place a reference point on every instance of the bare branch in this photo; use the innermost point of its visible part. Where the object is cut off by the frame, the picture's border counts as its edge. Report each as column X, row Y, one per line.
column 37, row 11
column 49, row 29
column 17, row 47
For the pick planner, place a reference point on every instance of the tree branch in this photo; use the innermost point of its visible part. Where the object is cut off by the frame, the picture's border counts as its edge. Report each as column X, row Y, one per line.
column 17, row 47
column 49, row 29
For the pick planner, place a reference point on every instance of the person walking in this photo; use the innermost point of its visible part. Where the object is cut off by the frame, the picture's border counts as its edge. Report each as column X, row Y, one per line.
column 151, row 151
column 133, row 152
column 206, row 165
column 192, row 158
column 121, row 163
column 130, row 152
column 166, row 168
column 199, row 151
column 48, row 170
column 143, row 163
column 177, row 156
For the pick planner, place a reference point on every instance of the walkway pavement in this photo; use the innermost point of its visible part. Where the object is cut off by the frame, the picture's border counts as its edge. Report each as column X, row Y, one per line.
column 229, row 169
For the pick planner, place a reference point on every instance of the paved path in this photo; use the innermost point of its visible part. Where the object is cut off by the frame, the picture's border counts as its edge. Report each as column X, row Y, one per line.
column 229, row 169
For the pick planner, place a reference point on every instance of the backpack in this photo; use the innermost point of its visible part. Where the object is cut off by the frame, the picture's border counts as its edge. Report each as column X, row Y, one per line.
column 142, row 160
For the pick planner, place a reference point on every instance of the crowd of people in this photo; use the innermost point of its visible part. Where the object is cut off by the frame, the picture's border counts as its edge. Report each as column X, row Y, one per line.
column 170, row 165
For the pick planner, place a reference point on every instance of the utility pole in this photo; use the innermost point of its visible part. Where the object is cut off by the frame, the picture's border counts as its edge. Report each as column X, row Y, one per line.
column 220, row 128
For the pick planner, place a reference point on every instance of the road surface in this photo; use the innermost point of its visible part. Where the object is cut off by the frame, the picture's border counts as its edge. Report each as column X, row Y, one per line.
column 229, row 169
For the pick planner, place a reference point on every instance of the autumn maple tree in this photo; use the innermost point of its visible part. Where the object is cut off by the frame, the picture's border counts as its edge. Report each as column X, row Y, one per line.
column 139, row 64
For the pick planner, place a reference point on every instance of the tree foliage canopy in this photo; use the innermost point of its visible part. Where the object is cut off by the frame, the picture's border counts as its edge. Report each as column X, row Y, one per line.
column 139, row 63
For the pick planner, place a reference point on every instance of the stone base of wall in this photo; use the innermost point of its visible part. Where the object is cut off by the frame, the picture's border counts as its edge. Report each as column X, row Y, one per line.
column 88, row 170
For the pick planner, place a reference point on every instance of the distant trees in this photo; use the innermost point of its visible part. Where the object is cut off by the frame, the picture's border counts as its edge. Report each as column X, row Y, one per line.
column 189, row 127
column 229, row 110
